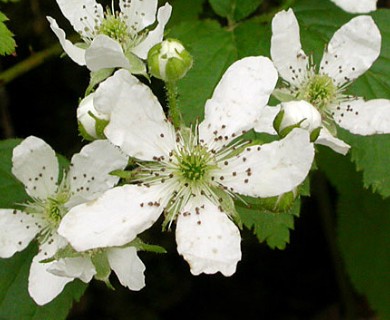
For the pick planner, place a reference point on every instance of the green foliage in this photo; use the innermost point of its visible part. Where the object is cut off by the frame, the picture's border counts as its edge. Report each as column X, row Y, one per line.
column 235, row 10
column 7, row 42
column 274, row 228
column 363, row 232
column 15, row 302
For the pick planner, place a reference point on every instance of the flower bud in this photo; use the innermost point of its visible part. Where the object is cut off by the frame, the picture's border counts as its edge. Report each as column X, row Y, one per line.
column 91, row 122
column 169, row 60
column 298, row 114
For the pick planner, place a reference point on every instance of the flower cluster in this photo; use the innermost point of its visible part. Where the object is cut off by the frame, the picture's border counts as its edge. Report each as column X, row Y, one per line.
column 145, row 165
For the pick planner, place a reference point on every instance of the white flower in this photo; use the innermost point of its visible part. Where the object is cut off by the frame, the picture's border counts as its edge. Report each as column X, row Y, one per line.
column 356, row 6
column 351, row 51
column 112, row 39
column 192, row 175
column 35, row 165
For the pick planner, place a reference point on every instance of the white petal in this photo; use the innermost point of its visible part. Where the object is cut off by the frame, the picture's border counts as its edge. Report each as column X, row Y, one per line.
column 326, row 139
column 364, row 117
column 286, row 49
column 105, row 52
column 138, row 14
column 84, row 15
column 113, row 219
column 265, row 122
column 84, row 110
column 75, row 53
column 155, row 36
column 79, row 267
column 356, row 6
column 138, row 124
column 352, row 50
column 270, row 169
column 44, row 286
column 35, row 164
column 207, row 239
column 238, row 100
column 128, row 267
column 89, row 173
column 17, row 229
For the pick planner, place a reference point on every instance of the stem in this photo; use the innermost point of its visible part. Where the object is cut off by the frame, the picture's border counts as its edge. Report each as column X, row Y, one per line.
column 30, row 63
column 321, row 192
column 174, row 112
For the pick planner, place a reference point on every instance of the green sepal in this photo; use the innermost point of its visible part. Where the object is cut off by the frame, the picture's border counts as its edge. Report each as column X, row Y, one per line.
column 97, row 77
column 283, row 95
column 137, row 66
column 66, row 252
column 142, row 246
column 102, row 267
column 100, row 125
column 315, row 134
column 124, row 174
column 277, row 204
column 283, row 133
column 278, row 120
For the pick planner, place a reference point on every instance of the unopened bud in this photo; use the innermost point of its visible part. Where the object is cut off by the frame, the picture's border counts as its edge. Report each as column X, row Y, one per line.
column 298, row 114
column 91, row 122
column 169, row 60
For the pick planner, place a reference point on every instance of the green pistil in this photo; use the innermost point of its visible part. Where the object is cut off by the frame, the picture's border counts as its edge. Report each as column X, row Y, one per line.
column 114, row 27
column 55, row 209
column 194, row 165
column 320, row 91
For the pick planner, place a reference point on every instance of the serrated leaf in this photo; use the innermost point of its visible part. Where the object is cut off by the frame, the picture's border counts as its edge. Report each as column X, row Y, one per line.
column 273, row 228
column 363, row 232
column 235, row 9
column 7, row 42
column 185, row 11
column 318, row 21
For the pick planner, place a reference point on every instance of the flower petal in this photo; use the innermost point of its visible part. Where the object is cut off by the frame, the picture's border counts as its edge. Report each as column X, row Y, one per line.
column 364, row 117
column 207, row 239
column 352, row 50
column 75, row 53
column 264, row 124
column 356, row 6
column 238, row 100
column 84, row 15
column 105, row 52
column 270, row 169
column 286, row 50
column 78, row 267
column 17, row 230
column 35, row 164
column 89, row 173
column 138, row 124
column 138, row 14
column 156, row 35
column 128, row 267
column 325, row 138
column 44, row 286
column 114, row 219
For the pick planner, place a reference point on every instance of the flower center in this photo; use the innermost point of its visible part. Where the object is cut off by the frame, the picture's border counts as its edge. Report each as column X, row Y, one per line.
column 193, row 166
column 319, row 90
column 114, row 27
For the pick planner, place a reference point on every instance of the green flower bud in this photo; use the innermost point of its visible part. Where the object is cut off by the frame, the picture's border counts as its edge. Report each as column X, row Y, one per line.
column 169, row 60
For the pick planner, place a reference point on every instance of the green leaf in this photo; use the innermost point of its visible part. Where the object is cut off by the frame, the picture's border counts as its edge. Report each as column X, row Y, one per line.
column 15, row 302
column 318, row 21
column 235, row 9
column 274, row 228
column 7, row 42
column 363, row 232
column 185, row 11
column 11, row 189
